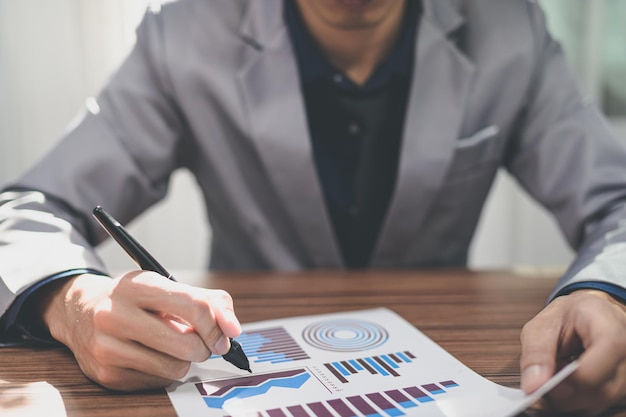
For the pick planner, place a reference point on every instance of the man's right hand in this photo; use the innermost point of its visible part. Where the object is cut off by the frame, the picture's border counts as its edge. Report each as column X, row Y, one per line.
column 139, row 331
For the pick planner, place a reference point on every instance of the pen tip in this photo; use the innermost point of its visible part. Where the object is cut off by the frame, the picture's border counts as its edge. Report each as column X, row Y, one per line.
column 249, row 370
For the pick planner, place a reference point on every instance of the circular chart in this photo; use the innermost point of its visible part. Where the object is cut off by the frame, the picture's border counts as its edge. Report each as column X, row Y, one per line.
column 345, row 335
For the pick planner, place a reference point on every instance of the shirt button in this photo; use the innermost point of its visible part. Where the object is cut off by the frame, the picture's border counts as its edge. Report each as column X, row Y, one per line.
column 353, row 129
column 337, row 78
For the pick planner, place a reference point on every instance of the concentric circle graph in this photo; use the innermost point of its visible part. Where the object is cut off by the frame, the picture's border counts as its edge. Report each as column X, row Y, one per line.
column 345, row 335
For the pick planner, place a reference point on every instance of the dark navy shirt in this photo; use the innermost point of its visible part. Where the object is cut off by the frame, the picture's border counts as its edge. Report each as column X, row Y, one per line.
column 356, row 132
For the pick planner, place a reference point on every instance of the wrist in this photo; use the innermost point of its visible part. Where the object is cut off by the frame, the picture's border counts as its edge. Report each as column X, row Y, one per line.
column 50, row 305
column 64, row 303
column 603, row 295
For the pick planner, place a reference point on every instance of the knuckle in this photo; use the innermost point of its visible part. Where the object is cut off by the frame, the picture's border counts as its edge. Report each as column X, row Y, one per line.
column 185, row 351
column 199, row 309
column 180, row 369
column 107, row 377
column 527, row 330
column 191, row 348
column 101, row 352
column 102, row 318
column 223, row 295
column 214, row 335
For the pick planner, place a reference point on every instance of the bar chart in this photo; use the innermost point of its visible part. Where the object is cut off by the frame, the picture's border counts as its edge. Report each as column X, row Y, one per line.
column 390, row 403
column 272, row 345
column 384, row 365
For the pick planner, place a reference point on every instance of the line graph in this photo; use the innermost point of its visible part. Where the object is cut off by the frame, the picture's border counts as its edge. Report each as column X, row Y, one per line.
column 217, row 393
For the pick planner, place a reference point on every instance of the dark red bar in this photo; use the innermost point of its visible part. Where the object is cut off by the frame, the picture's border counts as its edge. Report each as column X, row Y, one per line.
column 336, row 373
column 362, row 406
column 201, row 389
column 348, row 367
column 366, row 366
column 395, row 358
column 380, row 401
column 433, row 388
column 320, row 410
column 409, row 354
column 341, row 408
column 416, row 392
column 276, row 412
column 298, row 411
column 397, row 396
column 384, row 364
column 271, row 331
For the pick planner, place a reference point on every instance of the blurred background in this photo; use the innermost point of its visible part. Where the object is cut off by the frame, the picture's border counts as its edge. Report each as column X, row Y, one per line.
column 54, row 54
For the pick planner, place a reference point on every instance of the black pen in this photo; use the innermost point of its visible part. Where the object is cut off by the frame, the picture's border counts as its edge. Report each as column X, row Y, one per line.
column 145, row 261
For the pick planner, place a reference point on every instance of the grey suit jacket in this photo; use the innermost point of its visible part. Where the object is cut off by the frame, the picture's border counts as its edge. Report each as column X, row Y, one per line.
column 212, row 86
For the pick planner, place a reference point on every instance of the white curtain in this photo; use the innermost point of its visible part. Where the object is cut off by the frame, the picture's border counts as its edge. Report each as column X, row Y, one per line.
column 54, row 54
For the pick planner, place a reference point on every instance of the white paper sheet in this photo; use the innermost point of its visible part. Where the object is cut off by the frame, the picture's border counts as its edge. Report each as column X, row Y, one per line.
column 363, row 363
column 32, row 399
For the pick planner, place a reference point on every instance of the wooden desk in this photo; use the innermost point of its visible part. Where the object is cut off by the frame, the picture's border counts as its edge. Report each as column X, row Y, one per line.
column 475, row 316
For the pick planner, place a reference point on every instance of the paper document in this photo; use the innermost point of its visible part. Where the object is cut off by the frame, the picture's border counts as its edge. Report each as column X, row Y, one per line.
column 362, row 363
column 31, row 399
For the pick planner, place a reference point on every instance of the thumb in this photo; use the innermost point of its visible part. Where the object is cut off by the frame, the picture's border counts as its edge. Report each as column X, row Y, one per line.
column 534, row 376
column 539, row 349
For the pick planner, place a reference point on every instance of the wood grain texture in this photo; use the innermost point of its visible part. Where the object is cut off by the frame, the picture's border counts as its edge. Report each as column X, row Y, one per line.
column 476, row 316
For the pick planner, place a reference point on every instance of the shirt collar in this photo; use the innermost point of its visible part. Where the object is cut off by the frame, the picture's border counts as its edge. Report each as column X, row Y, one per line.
column 313, row 65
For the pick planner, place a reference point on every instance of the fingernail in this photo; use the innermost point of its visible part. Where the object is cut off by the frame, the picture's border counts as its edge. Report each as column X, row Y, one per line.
column 533, row 377
column 222, row 345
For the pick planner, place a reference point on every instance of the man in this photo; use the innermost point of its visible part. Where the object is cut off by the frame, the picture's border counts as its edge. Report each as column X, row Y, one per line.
column 324, row 134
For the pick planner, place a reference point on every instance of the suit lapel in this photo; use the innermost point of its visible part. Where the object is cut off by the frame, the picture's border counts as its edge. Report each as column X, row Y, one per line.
column 441, row 83
column 270, row 87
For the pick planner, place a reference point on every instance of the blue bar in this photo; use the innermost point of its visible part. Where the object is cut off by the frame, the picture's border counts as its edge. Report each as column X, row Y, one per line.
column 280, row 360
column 341, row 369
column 269, row 357
column 390, row 361
column 403, row 357
column 356, row 365
column 376, row 366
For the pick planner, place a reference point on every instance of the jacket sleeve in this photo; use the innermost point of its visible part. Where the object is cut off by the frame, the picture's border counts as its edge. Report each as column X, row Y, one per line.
column 566, row 157
column 119, row 154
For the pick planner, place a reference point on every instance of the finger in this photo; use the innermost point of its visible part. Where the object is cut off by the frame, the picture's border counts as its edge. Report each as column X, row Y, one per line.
column 227, row 322
column 153, row 331
column 600, row 379
column 601, row 366
column 540, row 341
column 600, row 361
column 108, row 357
column 209, row 312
